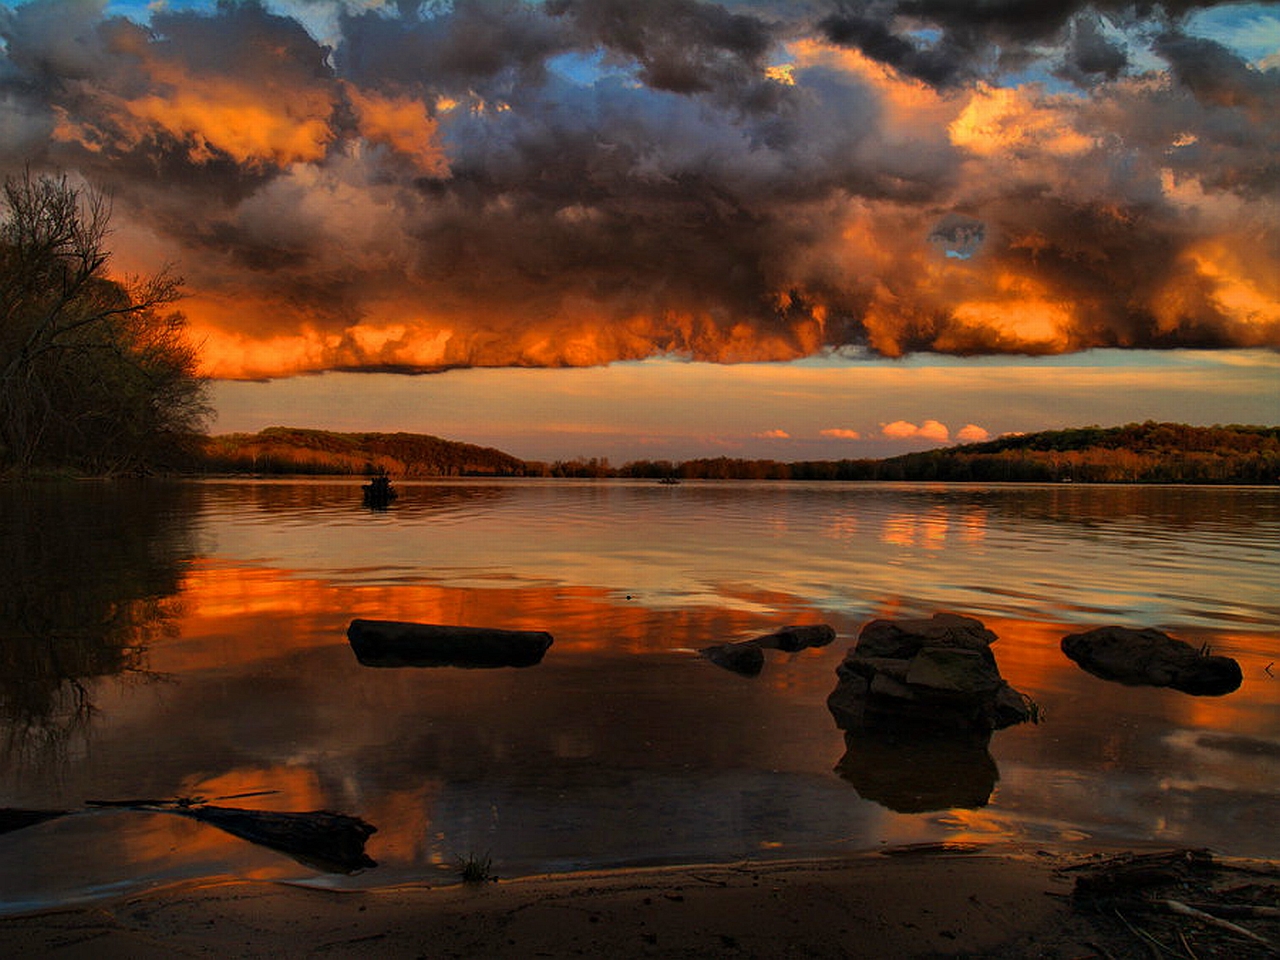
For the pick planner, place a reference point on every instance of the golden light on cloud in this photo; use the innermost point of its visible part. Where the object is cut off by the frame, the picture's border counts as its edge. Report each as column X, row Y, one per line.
column 1025, row 324
column 928, row 430
column 537, row 186
column 1004, row 121
column 225, row 118
column 402, row 123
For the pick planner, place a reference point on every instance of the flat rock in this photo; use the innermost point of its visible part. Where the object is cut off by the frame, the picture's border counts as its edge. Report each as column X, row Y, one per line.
column 1149, row 657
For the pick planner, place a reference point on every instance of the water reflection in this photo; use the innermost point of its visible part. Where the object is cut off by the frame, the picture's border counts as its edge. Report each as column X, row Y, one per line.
column 623, row 746
column 90, row 576
column 919, row 771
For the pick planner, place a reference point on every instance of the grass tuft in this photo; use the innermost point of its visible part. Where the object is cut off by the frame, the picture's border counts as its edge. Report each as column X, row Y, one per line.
column 476, row 869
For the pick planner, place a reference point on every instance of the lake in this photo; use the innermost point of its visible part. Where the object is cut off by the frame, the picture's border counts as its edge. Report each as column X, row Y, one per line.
column 188, row 640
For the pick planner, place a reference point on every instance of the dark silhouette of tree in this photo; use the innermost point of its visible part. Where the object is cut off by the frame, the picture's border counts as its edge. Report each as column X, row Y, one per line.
column 96, row 374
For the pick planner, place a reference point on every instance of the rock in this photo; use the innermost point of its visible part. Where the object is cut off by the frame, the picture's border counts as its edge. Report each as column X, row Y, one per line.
column 1151, row 658
column 747, row 658
column 394, row 643
column 959, row 671
column 937, row 674
column 791, row 639
column 744, row 658
column 903, row 639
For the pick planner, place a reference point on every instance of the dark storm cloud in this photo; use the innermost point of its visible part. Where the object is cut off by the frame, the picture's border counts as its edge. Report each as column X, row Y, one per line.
column 498, row 182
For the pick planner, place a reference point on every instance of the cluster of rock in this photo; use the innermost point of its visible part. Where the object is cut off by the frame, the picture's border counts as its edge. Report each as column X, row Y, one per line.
column 747, row 656
column 936, row 673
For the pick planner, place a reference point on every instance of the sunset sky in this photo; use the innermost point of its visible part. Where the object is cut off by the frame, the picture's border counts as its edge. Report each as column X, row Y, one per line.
column 672, row 228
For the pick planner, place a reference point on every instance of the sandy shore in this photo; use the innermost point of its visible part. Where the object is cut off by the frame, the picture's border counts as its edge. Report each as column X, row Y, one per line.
column 927, row 902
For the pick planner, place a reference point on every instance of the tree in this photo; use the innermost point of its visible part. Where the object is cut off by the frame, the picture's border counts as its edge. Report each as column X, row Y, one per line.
column 95, row 374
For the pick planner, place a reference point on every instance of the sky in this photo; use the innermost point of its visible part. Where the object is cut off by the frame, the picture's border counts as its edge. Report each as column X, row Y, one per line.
column 674, row 228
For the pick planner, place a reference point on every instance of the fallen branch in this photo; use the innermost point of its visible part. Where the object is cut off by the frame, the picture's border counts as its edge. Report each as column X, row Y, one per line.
column 1177, row 906
column 1250, row 911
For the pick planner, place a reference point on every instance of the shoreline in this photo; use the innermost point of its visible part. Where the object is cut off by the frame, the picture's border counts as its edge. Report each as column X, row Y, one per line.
column 926, row 901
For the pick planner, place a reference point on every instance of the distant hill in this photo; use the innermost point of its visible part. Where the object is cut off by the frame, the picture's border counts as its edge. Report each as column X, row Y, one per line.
column 291, row 450
column 1137, row 453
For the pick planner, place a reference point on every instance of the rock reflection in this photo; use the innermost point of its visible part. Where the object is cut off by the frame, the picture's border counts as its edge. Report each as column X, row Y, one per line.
column 917, row 770
column 91, row 572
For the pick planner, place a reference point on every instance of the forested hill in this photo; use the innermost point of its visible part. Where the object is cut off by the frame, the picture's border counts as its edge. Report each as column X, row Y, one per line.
column 1137, row 453
column 293, row 450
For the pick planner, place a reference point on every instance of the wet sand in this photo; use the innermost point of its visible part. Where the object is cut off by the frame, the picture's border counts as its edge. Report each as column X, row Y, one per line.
column 911, row 902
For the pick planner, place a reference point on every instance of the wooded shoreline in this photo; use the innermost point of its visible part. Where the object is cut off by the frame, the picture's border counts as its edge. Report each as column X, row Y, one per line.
column 1137, row 453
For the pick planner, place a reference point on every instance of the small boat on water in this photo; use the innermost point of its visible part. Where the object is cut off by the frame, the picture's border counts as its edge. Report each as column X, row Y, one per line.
column 669, row 480
column 378, row 492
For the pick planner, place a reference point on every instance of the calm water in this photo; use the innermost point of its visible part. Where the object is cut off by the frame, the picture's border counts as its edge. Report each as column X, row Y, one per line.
column 188, row 640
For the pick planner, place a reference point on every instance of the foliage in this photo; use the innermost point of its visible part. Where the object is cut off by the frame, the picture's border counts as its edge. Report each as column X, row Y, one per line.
column 96, row 375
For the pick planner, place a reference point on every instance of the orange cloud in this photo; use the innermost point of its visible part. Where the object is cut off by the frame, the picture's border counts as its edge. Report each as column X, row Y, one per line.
column 402, row 123
column 840, row 433
column 972, row 433
column 929, row 430
column 774, row 435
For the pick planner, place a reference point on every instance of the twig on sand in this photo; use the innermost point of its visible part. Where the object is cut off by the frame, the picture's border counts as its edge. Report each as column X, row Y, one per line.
column 1153, row 945
column 1177, row 906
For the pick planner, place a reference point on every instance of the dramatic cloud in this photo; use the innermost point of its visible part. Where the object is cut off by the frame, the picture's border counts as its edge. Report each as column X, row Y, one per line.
column 972, row 433
column 494, row 182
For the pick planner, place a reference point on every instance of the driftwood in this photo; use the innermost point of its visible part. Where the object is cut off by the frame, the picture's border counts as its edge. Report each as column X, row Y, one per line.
column 1182, row 896
column 330, row 842
column 394, row 643
column 12, row 818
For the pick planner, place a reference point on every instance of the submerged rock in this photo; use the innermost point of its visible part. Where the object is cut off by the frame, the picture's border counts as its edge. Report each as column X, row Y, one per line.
column 747, row 656
column 394, row 643
column 935, row 674
column 1151, row 658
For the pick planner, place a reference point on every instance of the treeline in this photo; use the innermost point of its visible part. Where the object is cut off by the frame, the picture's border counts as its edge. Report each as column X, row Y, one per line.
column 96, row 375
column 289, row 450
column 1136, row 453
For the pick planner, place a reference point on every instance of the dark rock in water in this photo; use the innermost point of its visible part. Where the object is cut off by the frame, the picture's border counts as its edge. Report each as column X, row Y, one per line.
column 938, row 673
column 913, row 770
column 903, row 639
column 747, row 658
column 1151, row 658
column 393, row 643
column 791, row 639
column 378, row 492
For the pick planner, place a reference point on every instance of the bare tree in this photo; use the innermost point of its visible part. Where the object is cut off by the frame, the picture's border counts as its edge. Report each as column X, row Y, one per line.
column 95, row 374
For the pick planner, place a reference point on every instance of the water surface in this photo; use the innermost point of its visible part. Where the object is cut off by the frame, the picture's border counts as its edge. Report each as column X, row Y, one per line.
column 188, row 640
